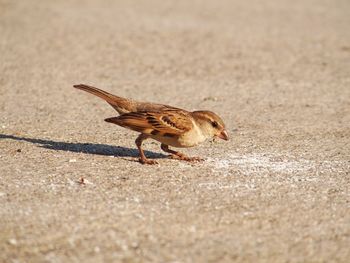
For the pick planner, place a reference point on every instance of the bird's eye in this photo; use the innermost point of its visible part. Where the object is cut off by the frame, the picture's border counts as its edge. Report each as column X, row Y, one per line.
column 214, row 124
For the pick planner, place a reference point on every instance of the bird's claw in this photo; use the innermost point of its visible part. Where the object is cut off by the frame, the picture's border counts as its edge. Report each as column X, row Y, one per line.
column 186, row 158
column 194, row 159
column 147, row 161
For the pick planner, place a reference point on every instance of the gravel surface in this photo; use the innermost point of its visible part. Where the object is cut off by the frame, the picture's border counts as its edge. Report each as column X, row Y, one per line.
column 278, row 72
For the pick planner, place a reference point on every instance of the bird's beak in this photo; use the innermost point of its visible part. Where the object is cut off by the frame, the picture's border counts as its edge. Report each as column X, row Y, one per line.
column 223, row 135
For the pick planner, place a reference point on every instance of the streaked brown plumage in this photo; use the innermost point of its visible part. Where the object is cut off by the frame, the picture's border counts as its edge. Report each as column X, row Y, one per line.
column 169, row 125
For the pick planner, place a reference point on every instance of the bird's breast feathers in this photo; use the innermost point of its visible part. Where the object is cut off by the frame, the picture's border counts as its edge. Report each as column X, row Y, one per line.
column 188, row 139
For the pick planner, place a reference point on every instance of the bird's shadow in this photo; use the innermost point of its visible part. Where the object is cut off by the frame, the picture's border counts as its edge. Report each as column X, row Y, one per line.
column 88, row 148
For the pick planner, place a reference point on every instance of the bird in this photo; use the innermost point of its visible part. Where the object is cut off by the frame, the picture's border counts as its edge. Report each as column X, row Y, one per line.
column 166, row 124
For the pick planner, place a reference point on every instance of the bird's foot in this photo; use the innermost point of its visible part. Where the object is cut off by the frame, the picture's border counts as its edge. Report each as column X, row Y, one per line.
column 147, row 161
column 186, row 158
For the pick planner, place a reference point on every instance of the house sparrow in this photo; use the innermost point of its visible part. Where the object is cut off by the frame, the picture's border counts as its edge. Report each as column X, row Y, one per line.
column 169, row 125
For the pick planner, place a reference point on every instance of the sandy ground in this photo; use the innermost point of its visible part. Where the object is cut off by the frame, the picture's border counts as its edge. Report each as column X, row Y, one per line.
column 278, row 72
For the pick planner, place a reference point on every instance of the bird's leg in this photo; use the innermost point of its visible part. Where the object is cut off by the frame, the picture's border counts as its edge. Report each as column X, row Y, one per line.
column 178, row 155
column 143, row 158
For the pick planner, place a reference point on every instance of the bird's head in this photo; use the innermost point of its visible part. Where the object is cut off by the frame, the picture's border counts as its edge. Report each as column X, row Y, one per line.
column 211, row 124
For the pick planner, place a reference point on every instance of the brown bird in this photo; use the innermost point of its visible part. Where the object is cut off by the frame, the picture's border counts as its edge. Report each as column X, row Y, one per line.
column 169, row 125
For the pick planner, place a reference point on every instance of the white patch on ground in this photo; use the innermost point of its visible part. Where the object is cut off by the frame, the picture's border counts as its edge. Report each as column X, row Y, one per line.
column 261, row 165
column 222, row 185
column 267, row 163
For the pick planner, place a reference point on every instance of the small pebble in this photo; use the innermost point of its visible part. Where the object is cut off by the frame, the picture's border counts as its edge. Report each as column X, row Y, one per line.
column 81, row 180
column 210, row 98
column 84, row 181
column 12, row 241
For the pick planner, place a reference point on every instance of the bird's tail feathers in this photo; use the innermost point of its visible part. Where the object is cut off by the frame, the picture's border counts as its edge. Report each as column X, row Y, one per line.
column 122, row 105
column 97, row 92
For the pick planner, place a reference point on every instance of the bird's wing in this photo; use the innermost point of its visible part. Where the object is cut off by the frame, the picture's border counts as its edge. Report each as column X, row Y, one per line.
column 169, row 123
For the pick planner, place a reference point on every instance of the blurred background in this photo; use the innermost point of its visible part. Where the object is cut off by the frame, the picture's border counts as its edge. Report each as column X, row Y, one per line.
column 246, row 54
column 277, row 71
